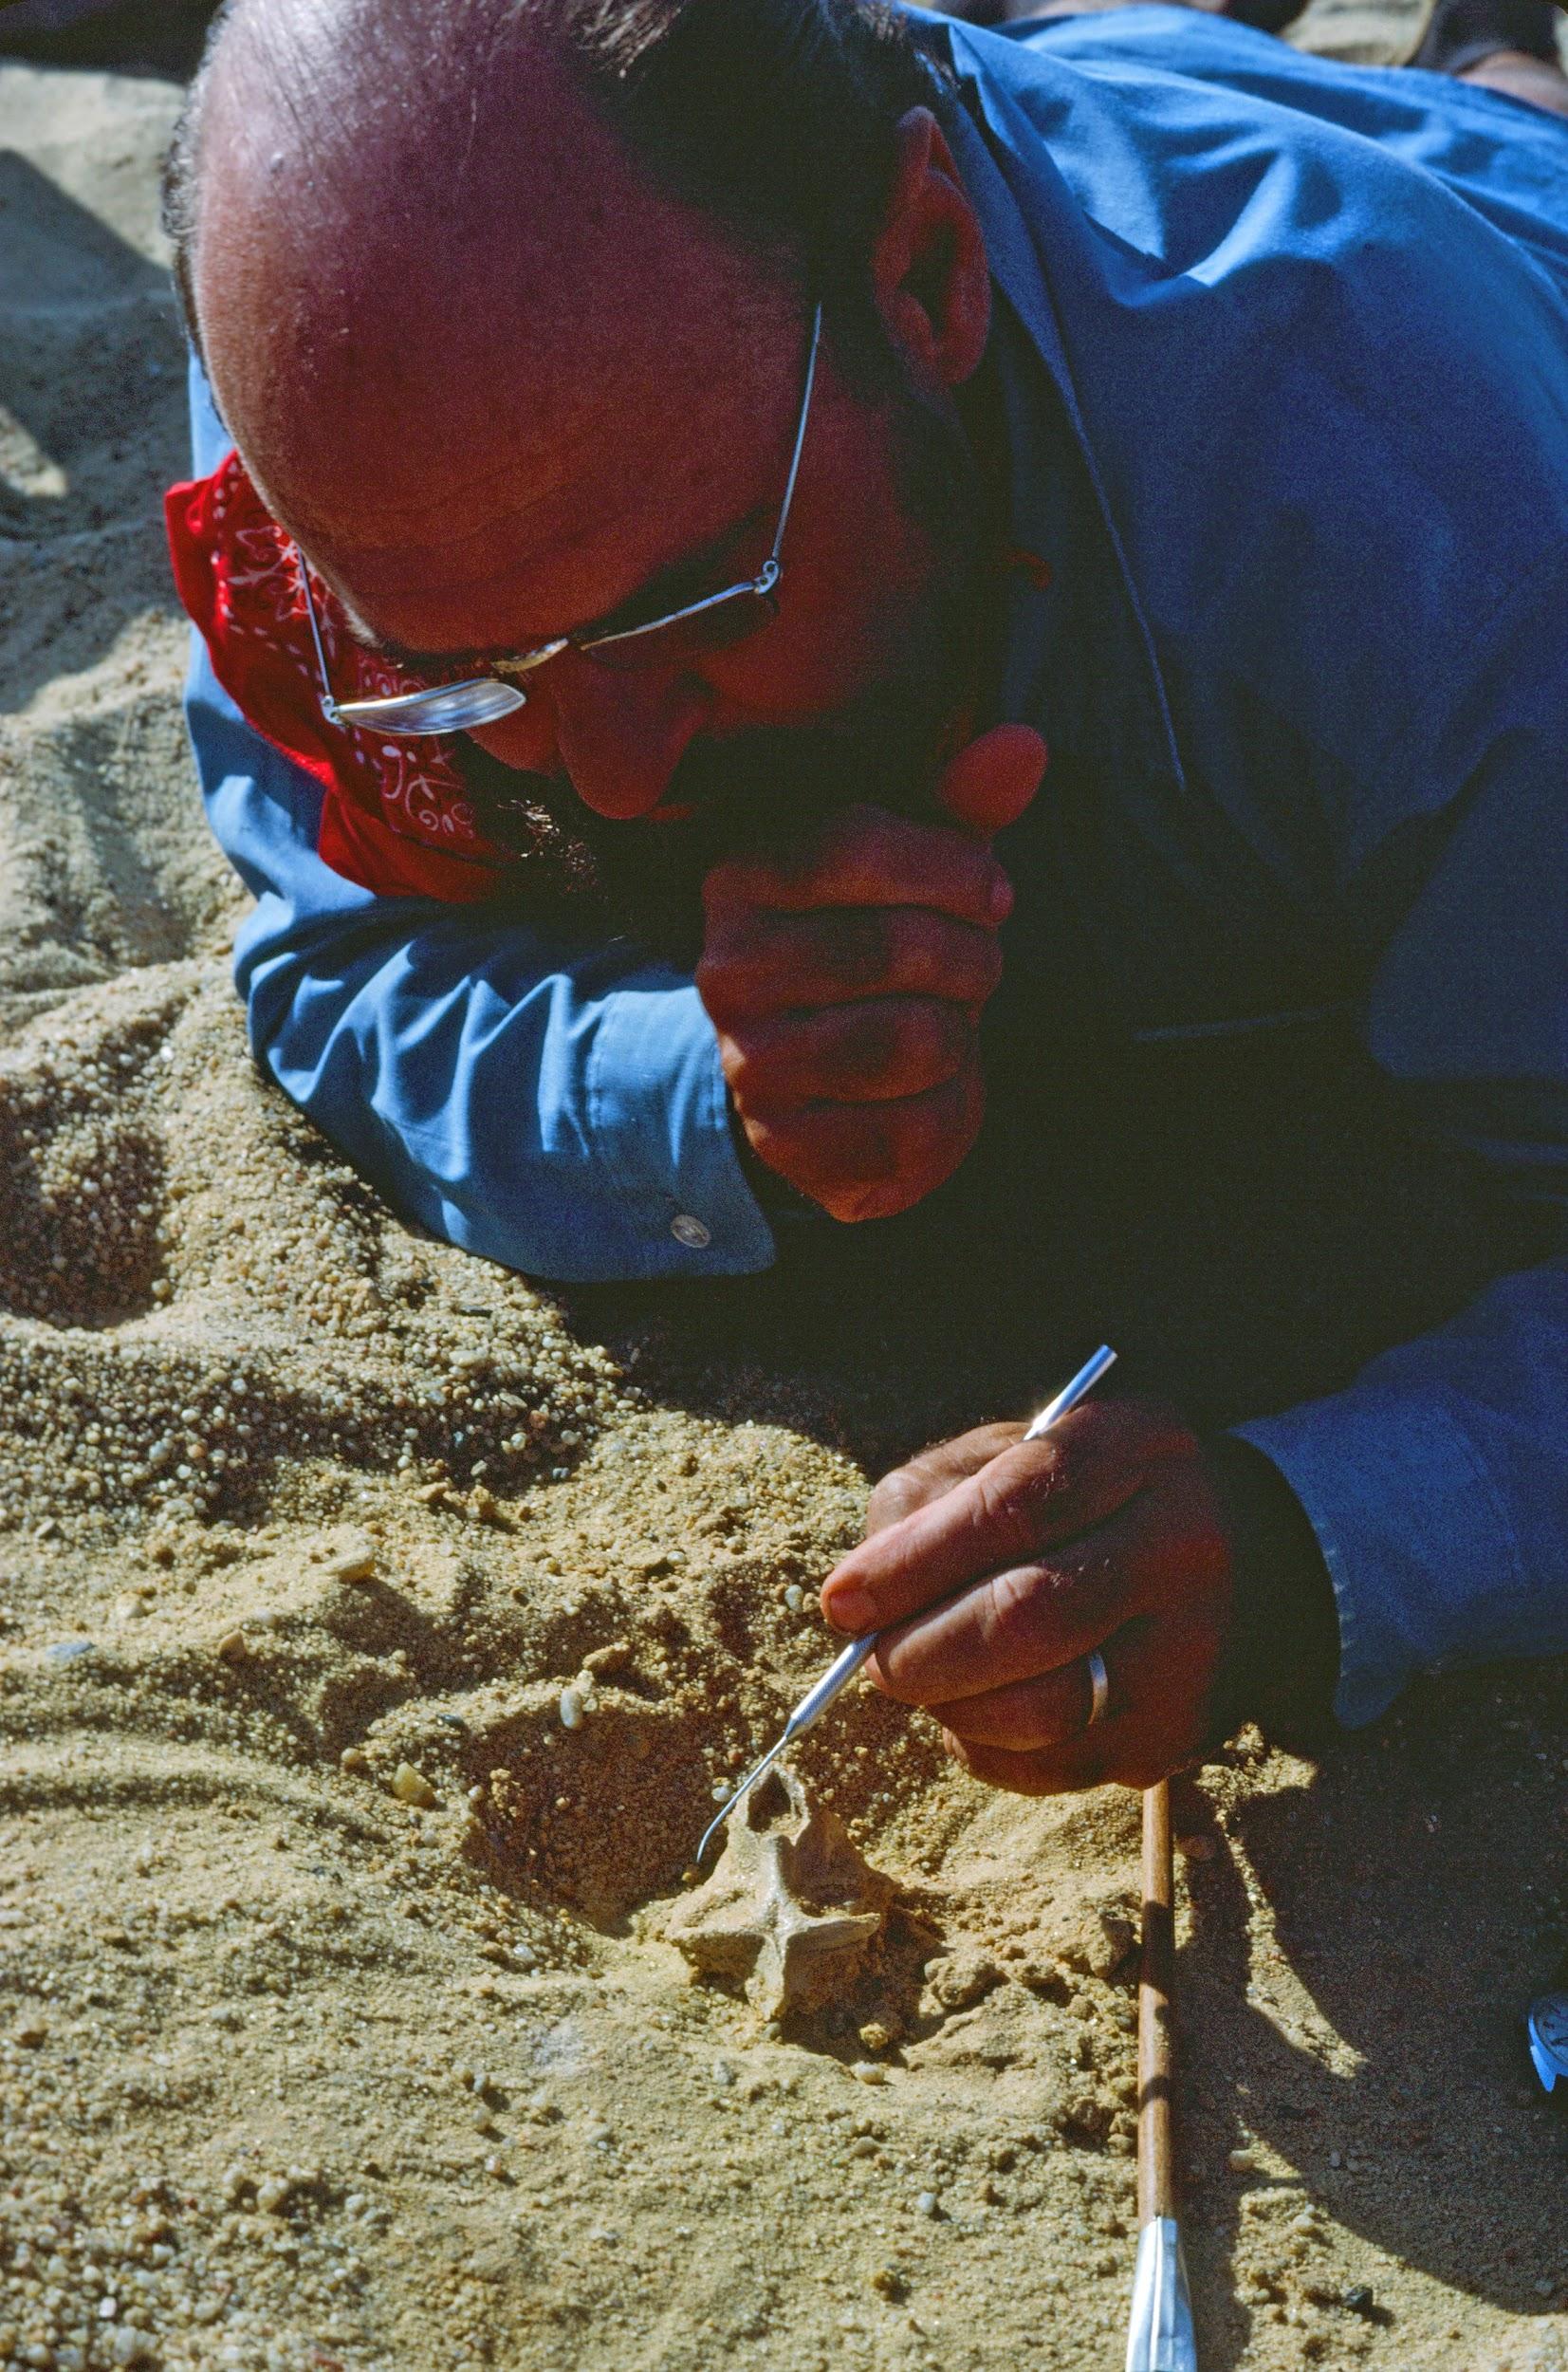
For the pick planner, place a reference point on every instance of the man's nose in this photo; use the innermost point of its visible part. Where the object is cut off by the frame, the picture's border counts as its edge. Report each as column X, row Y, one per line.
column 619, row 738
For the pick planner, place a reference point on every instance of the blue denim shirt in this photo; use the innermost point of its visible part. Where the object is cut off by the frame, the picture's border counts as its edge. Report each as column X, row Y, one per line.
column 1283, row 356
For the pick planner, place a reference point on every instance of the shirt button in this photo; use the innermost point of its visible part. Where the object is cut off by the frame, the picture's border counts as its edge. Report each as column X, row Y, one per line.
column 691, row 1231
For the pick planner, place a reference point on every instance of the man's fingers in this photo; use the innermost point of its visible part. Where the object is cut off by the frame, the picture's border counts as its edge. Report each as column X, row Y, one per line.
column 989, row 785
column 867, row 857
column 778, row 963
column 935, row 1472
column 871, row 1160
column 1032, row 1495
column 1026, row 1716
column 1091, row 1760
column 1145, row 1661
column 1018, row 1625
column 890, row 1047
column 1133, row 1745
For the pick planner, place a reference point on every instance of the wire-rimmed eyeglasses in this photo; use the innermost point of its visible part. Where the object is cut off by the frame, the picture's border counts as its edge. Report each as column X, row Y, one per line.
column 677, row 636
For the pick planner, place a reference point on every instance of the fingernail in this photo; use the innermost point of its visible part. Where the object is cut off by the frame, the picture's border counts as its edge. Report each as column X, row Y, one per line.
column 851, row 1610
column 1002, row 899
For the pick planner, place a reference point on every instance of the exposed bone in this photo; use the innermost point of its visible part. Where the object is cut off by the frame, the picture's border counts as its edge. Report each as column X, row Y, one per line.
column 792, row 1910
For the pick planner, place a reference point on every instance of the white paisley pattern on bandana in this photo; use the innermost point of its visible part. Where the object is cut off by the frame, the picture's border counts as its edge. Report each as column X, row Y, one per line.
column 240, row 577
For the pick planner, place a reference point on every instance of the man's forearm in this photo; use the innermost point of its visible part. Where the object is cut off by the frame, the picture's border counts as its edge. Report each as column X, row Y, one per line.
column 562, row 1111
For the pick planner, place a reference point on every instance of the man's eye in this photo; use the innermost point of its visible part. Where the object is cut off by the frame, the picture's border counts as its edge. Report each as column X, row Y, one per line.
column 685, row 582
column 677, row 590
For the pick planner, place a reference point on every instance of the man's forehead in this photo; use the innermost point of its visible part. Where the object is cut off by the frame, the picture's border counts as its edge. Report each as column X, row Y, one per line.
column 487, row 525
column 459, row 328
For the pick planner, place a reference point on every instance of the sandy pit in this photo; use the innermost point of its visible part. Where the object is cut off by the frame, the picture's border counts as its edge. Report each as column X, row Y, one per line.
column 342, row 2022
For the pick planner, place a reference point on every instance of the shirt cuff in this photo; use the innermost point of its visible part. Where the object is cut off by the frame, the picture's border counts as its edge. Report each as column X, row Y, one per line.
column 1419, row 1548
column 660, row 1117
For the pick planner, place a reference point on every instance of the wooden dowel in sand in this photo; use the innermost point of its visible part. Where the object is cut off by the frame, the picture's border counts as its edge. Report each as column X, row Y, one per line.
column 1157, row 2125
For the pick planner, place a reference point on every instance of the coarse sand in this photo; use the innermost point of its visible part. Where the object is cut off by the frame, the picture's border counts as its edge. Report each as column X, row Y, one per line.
column 339, row 2022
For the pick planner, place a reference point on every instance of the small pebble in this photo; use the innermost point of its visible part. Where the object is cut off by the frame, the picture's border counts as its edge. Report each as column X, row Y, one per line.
column 354, row 1758
column 357, row 1563
column 410, row 1787
column 68, row 1651
column 794, row 1597
column 1242, row 2162
column 273, row 2193
column 233, row 1647
column 571, row 1709
column 929, row 2205
column 32, row 2033
column 867, row 2071
column 613, row 1657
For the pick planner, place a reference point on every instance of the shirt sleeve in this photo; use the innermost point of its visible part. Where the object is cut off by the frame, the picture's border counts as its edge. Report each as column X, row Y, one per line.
column 1438, row 1482
column 559, row 1109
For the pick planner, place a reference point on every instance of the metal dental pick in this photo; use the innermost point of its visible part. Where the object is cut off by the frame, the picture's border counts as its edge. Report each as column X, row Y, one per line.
column 812, row 1706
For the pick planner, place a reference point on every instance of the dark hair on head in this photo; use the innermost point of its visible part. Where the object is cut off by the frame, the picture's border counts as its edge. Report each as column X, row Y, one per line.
column 181, row 181
column 778, row 117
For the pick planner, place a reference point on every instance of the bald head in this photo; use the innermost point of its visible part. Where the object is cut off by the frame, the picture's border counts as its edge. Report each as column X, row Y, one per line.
column 409, row 239
column 513, row 200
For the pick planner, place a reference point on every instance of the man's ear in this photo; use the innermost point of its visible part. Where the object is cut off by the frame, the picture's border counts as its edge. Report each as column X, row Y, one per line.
column 928, row 267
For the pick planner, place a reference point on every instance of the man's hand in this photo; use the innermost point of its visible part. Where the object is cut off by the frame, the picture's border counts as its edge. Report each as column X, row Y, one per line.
column 846, row 986
column 1002, row 1563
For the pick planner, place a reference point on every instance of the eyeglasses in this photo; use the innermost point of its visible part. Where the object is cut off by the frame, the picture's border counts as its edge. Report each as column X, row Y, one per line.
column 676, row 636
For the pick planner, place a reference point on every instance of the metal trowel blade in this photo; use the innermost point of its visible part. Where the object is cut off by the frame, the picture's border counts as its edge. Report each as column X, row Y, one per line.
column 1160, row 2336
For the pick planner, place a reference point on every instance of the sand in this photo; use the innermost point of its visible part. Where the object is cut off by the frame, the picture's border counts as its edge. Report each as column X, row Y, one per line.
column 302, row 1516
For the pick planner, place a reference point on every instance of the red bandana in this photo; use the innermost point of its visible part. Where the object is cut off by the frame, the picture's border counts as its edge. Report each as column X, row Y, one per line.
column 397, row 817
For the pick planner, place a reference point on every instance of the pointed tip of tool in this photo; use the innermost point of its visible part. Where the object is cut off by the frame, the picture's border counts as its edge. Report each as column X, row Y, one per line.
column 1160, row 2337
column 716, row 1823
column 707, row 1836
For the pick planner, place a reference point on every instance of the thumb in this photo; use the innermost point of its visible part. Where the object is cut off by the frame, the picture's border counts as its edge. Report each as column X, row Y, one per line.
column 990, row 783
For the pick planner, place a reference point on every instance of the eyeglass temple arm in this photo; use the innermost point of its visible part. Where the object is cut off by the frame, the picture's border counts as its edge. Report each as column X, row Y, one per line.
column 799, row 434
column 329, row 706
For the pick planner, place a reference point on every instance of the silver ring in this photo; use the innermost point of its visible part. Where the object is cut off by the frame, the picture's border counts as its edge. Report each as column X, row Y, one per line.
column 1099, row 1683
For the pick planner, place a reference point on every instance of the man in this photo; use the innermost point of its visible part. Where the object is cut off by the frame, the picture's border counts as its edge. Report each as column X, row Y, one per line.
column 774, row 424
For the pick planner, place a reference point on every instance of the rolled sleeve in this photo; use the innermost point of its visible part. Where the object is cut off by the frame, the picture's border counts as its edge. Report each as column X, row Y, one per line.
column 1421, row 1554
column 659, row 1113
column 558, row 1108
column 1437, row 1485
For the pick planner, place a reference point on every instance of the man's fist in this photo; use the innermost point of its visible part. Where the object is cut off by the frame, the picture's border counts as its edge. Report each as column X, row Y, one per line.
column 846, row 986
column 994, row 1564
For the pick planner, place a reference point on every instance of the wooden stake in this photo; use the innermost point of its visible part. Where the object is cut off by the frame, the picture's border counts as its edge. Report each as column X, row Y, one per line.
column 1157, row 2055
